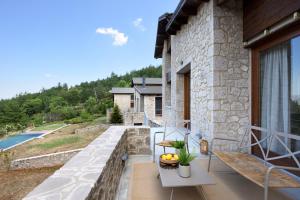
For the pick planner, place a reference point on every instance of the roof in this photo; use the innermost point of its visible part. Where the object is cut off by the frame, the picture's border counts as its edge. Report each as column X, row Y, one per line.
column 148, row 81
column 184, row 9
column 149, row 89
column 169, row 24
column 162, row 35
column 118, row 90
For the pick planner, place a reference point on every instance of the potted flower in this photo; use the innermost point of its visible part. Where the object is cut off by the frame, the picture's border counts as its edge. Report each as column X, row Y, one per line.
column 178, row 144
column 184, row 159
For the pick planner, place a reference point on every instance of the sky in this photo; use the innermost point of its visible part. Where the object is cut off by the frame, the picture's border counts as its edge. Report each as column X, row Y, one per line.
column 43, row 42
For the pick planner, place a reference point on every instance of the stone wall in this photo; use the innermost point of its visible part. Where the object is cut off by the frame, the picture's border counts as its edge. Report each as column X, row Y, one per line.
column 193, row 45
column 48, row 160
column 131, row 118
column 91, row 129
column 138, row 141
column 149, row 108
column 94, row 173
column 211, row 43
column 230, row 74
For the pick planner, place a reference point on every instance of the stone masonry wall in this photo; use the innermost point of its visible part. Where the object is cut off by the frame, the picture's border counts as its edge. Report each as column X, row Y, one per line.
column 94, row 173
column 194, row 42
column 48, row 160
column 212, row 42
column 138, row 141
column 131, row 118
column 166, row 87
column 230, row 104
column 149, row 108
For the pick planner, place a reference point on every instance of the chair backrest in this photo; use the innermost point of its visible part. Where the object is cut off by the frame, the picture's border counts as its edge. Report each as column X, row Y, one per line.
column 269, row 138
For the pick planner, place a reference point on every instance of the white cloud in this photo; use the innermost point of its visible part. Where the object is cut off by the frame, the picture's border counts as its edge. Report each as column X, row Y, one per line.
column 48, row 75
column 120, row 39
column 138, row 23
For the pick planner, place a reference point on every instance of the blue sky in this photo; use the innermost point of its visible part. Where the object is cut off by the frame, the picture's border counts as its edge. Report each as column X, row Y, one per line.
column 43, row 42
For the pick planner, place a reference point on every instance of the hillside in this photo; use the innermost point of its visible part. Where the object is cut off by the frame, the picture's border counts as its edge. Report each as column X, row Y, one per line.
column 79, row 103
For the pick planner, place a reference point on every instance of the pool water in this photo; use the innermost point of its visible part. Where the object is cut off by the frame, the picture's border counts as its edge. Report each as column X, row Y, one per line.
column 14, row 140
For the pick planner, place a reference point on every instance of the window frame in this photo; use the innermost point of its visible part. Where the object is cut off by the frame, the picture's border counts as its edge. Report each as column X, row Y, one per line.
column 272, row 41
column 158, row 112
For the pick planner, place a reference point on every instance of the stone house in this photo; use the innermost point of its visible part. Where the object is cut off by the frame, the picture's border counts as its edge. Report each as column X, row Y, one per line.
column 148, row 97
column 123, row 97
column 217, row 56
column 142, row 99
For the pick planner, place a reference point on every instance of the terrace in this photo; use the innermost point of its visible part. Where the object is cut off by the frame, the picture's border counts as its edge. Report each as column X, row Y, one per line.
column 103, row 171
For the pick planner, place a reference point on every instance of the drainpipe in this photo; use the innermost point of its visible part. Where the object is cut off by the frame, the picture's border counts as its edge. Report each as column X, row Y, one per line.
column 144, row 81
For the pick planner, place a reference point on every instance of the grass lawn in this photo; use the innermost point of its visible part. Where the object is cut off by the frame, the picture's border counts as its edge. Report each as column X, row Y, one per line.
column 17, row 184
column 61, row 140
column 48, row 127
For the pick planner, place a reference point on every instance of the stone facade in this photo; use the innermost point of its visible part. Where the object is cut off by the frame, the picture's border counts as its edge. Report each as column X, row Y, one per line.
column 49, row 160
column 149, row 108
column 138, row 141
column 94, row 173
column 211, row 43
column 133, row 118
column 123, row 101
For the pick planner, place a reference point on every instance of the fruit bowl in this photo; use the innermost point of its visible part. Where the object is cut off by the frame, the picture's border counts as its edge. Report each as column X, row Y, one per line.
column 169, row 159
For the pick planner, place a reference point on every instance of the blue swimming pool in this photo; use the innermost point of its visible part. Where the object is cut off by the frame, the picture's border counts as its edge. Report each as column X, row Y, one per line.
column 14, row 140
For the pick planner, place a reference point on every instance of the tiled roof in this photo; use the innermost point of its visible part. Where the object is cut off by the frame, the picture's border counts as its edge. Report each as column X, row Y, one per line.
column 118, row 90
column 149, row 89
column 148, row 81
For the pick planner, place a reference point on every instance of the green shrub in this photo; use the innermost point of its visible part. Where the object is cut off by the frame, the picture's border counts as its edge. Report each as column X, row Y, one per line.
column 38, row 119
column 116, row 116
column 76, row 120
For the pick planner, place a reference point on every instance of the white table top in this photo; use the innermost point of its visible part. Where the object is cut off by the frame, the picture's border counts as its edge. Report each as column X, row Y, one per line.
column 199, row 176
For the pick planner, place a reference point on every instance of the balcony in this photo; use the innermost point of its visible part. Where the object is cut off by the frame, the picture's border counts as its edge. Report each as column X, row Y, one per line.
column 105, row 170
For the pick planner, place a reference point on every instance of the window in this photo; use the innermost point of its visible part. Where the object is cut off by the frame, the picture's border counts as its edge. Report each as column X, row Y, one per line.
column 276, row 92
column 158, row 106
column 132, row 101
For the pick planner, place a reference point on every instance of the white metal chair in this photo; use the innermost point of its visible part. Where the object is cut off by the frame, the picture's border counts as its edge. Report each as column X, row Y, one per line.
column 184, row 131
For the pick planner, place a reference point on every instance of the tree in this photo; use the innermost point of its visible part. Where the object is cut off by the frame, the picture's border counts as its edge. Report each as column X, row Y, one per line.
column 123, row 83
column 116, row 116
column 91, row 105
column 33, row 106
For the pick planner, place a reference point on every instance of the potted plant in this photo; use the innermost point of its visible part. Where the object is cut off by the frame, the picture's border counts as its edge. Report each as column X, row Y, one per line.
column 184, row 159
column 180, row 144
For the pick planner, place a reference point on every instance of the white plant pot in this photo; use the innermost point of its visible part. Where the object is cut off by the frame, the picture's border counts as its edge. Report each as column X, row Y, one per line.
column 184, row 171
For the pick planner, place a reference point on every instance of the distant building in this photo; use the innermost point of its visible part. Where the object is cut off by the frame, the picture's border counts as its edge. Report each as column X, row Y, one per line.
column 142, row 101
column 148, row 97
column 124, row 98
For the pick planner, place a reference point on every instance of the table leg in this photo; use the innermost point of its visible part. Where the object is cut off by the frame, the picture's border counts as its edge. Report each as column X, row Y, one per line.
column 172, row 191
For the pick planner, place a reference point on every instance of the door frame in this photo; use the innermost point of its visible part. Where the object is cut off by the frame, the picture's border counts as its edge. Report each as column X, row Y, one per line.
column 187, row 96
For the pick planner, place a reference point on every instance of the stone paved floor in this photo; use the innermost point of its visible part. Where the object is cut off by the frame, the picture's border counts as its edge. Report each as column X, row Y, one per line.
column 172, row 135
column 125, row 178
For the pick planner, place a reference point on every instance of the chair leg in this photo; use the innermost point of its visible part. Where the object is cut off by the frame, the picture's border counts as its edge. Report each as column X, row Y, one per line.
column 266, row 193
column 209, row 162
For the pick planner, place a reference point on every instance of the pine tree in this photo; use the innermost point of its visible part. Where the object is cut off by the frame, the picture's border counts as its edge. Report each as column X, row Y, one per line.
column 116, row 116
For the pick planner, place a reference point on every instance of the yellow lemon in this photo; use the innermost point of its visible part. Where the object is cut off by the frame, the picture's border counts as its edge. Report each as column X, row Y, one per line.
column 169, row 156
column 176, row 157
column 164, row 157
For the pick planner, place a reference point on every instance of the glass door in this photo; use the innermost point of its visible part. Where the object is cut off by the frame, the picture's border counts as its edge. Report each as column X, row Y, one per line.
column 276, row 94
